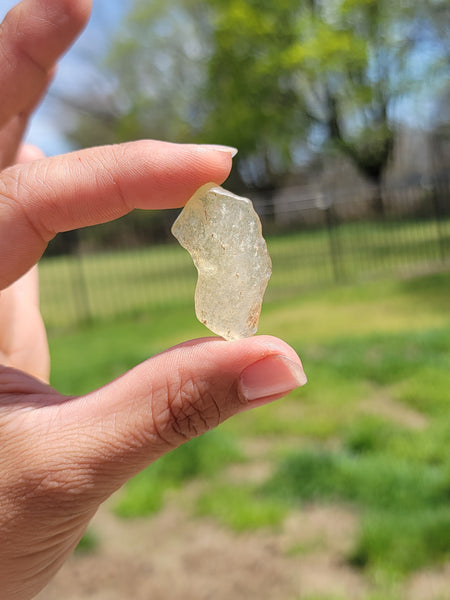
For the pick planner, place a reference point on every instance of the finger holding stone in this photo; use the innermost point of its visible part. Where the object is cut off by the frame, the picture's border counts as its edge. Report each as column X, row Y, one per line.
column 83, row 188
column 163, row 402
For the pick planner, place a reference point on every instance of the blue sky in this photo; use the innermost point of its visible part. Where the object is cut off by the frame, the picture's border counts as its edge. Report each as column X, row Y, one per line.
column 74, row 72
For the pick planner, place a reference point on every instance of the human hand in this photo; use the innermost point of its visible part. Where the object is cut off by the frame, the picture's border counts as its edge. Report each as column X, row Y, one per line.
column 60, row 457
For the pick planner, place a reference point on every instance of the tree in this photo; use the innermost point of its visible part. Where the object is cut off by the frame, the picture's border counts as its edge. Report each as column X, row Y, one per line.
column 343, row 64
column 277, row 79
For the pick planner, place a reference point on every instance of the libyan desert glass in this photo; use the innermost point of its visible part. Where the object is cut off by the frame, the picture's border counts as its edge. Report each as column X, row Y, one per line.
column 222, row 233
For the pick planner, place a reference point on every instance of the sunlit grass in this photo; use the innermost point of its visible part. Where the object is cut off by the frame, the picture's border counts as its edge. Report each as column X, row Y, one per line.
column 406, row 517
column 205, row 457
column 370, row 430
column 88, row 543
column 403, row 541
column 107, row 284
column 240, row 508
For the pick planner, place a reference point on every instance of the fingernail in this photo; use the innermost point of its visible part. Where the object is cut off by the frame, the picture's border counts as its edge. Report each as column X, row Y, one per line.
column 219, row 148
column 270, row 378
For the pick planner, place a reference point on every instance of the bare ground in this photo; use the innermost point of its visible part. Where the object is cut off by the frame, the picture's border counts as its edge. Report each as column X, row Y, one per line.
column 175, row 557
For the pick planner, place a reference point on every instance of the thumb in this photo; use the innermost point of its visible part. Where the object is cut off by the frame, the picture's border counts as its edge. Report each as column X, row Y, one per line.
column 171, row 398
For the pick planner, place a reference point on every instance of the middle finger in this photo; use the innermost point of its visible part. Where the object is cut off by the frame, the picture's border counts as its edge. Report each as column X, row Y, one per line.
column 12, row 133
column 33, row 36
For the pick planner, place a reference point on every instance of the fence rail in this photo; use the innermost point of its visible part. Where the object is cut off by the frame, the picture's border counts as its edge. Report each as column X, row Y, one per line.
column 338, row 239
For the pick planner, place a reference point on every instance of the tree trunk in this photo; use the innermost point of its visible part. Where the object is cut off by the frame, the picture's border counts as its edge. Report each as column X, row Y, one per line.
column 377, row 203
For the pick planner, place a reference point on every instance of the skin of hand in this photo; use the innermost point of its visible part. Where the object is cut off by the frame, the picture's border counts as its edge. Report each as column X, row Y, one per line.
column 62, row 456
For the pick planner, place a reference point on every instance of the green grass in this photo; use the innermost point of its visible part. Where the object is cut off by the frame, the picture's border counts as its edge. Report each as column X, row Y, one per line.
column 372, row 480
column 403, row 541
column 88, row 543
column 375, row 435
column 397, row 476
column 205, row 456
column 240, row 507
column 371, row 430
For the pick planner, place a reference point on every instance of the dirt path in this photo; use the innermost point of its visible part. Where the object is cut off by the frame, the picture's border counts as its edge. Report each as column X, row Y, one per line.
column 173, row 557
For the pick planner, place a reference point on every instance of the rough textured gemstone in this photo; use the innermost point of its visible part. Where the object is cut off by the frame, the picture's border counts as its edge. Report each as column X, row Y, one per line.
column 222, row 233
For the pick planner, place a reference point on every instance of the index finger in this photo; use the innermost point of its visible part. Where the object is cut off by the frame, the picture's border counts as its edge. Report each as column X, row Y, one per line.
column 33, row 36
column 92, row 186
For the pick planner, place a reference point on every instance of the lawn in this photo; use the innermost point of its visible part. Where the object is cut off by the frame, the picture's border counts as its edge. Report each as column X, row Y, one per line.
column 368, row 435
column 124, row 282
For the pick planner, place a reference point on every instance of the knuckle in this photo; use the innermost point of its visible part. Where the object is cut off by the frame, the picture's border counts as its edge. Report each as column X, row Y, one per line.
column 17, row 45
column 56, row 481
column 9, row 185
column 46, row 473
column 22, row 193
column 190, row 410
column 44, row 488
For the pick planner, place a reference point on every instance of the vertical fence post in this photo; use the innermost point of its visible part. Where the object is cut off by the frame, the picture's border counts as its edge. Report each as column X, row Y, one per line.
column 325, row 202
column 78, row 279
column 439, row 218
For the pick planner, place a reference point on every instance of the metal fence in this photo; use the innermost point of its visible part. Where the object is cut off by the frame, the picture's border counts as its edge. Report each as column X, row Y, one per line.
column 314, row 239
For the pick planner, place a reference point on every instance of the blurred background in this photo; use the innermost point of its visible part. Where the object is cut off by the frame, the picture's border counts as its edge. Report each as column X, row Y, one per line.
column 340, row 110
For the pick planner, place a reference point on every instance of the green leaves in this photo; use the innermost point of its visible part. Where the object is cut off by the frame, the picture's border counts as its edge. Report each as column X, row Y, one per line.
column 266, row 76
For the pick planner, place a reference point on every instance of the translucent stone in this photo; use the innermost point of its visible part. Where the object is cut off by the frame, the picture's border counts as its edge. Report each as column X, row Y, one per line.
column 222, row 233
